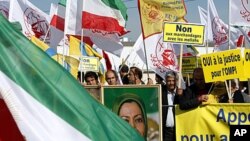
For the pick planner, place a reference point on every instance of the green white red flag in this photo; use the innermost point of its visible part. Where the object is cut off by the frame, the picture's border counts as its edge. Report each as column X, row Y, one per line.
column 46, row 102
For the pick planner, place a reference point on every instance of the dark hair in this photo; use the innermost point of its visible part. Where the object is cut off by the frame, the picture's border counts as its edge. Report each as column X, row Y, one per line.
column 90, row 74
column 123, row 68
column 197, row 70
column 136, row 71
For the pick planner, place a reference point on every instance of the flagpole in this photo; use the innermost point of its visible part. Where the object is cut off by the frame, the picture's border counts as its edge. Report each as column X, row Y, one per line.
column 46, row 34
column 81, row 47
column 229, row 28
column 180, row 67
column 208, row 16
column 146, row 59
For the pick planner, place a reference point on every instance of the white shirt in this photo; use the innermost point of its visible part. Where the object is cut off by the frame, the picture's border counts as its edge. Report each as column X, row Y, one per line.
column 170, row 115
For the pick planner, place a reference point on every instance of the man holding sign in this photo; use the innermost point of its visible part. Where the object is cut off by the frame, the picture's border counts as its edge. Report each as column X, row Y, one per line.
column 196, row 93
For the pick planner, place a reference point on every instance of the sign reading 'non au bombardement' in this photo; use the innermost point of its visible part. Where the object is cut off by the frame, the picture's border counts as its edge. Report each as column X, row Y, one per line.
column 184, row 33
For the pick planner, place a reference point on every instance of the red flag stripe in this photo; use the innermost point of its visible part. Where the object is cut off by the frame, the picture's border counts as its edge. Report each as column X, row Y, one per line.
column 57, row 22
column 108, row 24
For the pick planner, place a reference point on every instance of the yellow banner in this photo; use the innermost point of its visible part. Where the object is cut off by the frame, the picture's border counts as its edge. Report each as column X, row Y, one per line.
column 89, row 64
column 210, row 122
column 184, row 33
column 154, row 12
column 224, row 65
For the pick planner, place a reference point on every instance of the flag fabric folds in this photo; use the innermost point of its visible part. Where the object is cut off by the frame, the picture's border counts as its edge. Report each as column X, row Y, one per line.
column 57, row 14
column 107, row 16
column 34, row 21
column 239, row 12
column 219, row 32
column 4, row 8
column 46, row 102
column 161, row 56
column 154, row 12
column 103, row 35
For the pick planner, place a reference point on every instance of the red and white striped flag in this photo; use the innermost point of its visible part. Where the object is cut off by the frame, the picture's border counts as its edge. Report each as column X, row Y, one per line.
column 57, row 13
column 100, row 32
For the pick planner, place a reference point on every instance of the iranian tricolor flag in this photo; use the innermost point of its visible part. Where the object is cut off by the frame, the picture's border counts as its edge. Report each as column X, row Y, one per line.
column 46, row 102
column 57, row 13
column 101, row 20
column 111, row 14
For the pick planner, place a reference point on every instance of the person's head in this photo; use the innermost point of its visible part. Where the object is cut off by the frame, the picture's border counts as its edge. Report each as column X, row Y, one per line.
column 134, row 75
column 158, row 79
column 199, row 79
column 123, row 70
column 80, row 76
column 131, row 108
column 111, row 77
column 171, row 79
column 91, row 78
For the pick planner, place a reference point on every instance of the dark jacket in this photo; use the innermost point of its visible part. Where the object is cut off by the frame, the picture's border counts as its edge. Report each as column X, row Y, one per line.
column 165, row 103
column 189, row 99
column 237, row 97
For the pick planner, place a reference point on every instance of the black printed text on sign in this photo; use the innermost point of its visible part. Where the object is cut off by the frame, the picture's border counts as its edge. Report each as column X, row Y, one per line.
column 184, row 33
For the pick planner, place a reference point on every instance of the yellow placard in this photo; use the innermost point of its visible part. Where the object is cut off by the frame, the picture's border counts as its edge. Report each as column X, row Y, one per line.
column 184, row 33
column 189, row 64
column 210, row 122
column 224, row 65
column 89, row 64
column 246, row 64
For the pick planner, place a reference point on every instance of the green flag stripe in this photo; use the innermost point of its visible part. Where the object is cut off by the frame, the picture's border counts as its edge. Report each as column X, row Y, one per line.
column 119, row 5
column 45, row 80
column 62, row 2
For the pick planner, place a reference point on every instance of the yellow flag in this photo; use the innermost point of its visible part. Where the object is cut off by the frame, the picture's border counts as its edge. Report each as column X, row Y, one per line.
column 72, row 62
column 74, row 46
column 87, row 50
column 154, row 12
column 39, row 43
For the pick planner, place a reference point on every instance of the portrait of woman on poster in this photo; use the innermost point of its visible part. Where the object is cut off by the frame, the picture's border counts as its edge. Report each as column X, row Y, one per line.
column 131, row 108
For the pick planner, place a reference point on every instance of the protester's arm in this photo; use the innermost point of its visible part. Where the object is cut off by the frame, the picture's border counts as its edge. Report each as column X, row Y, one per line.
column 188, row 100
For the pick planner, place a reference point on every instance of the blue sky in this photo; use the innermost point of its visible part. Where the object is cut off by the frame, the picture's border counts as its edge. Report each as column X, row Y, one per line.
column 133, row 24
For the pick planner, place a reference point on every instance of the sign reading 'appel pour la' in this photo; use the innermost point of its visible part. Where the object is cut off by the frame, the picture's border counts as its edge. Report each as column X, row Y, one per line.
column 184, row 33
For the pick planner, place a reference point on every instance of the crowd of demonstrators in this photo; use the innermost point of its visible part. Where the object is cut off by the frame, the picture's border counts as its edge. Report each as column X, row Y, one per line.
column 190, row 97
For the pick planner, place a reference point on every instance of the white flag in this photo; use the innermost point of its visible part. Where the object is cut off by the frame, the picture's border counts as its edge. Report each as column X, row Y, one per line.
column 219, row 31
column 203, row 20
column 34, row 21
column 240, row 12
